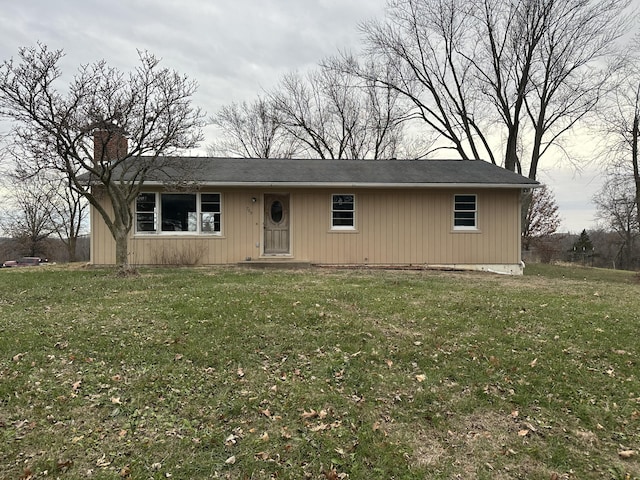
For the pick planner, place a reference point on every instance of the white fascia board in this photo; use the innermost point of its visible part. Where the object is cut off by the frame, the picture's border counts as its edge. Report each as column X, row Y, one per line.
column 354, row 185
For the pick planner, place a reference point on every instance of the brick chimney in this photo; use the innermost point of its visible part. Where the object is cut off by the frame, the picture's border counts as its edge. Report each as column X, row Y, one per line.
column 109, row 145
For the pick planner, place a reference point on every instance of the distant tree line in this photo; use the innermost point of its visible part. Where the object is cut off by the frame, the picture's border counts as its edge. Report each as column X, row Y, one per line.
column 51, row 248
column 593, row 248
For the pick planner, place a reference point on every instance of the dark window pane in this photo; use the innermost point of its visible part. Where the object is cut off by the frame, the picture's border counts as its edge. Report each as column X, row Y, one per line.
column 276, row 211
column 146, row 202
column 343, row 219
column 465, row 219
column 145, row 222
column 465, row 199
column 343, row 202
column 178, row 212
column 465, row 206
column 210, row 202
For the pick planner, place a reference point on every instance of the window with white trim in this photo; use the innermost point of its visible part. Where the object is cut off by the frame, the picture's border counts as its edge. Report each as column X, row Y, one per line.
column 178, row 213
column 343, row 212
column 465, row 212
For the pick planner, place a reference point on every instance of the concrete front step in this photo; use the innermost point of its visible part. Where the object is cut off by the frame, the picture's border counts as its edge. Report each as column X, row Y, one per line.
column 283, row 263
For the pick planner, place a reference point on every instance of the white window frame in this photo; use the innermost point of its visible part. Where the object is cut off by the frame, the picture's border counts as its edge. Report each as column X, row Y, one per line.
column 153, row 213
column 457, row 201
column 157, row 215
column 353, row 212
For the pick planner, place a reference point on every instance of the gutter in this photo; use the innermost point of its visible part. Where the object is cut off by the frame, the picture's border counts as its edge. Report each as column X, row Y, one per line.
column 354, row 185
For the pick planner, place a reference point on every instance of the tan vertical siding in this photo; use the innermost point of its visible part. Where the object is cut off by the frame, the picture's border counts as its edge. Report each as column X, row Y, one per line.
column 393, row 226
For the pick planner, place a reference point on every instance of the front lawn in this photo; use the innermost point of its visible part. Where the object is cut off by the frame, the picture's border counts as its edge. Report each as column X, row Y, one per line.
column 321, row 374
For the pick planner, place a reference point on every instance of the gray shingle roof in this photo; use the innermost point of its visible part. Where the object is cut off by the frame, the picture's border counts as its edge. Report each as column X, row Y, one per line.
column 315, row 172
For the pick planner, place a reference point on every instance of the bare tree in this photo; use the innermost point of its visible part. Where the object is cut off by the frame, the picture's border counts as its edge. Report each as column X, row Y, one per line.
column 476, row 69
column 69, row 213
column 106, row 133
column 418, row 44
column 620, row 118
column 252, row 130
column 542, row 219
column 616, row 207
column 569, row 75
column 332, row 114
column 27, row 217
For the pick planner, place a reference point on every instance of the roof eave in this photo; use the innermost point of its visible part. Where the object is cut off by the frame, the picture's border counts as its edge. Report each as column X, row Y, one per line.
column 355, row 185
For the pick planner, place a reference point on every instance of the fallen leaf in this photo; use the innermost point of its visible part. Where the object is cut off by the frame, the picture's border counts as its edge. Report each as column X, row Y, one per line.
column 533, row 363
column 116, row 400
column 240, row 372
column 64, row 464
column 76, row 385
column 310, row 414
column 262, row 456
column 320, row 427
column 231, row 440
column 626, row 454
column 523, row 432
column 231, row 460
column 331, row 474
column 178, row 357
column 27, row 474
column 421, row 377
column 389, row 363
column 266, row 412
column 125, row 471
column 264, row 437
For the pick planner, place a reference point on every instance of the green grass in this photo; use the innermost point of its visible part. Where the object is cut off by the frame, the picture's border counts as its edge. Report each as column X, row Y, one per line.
column 321, row 374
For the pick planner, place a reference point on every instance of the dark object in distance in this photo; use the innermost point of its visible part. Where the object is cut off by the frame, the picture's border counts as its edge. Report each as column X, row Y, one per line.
column 25, row 262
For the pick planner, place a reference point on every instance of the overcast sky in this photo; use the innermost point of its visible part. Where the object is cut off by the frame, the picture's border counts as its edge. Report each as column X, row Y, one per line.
column 232, row 48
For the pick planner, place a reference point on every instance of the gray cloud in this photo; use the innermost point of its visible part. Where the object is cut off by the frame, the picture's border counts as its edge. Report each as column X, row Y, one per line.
column 232, row 49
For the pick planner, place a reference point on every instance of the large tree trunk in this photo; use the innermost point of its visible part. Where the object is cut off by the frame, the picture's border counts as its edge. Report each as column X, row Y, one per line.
column 71, row 248
column 122, row 249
